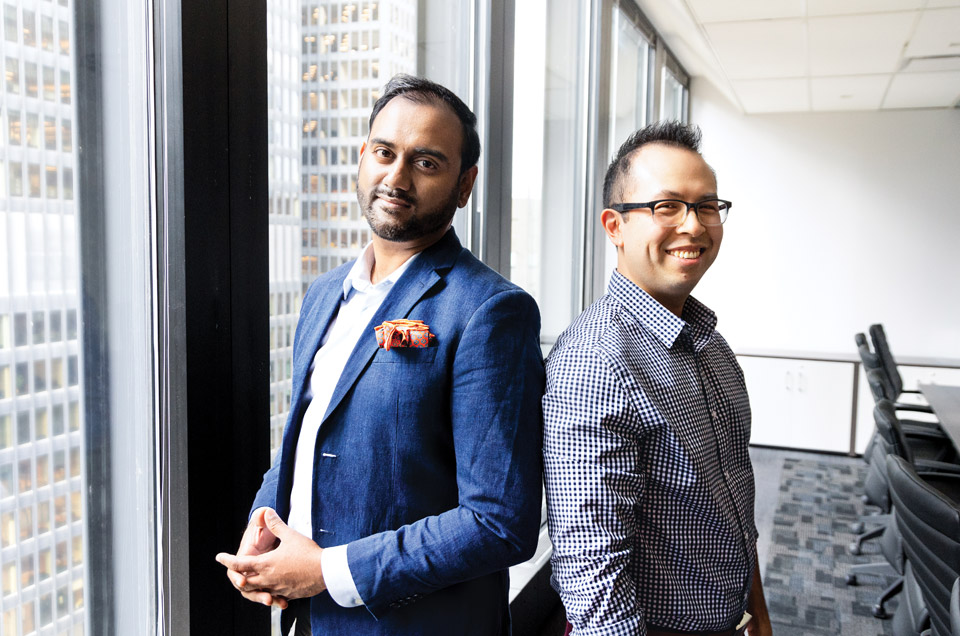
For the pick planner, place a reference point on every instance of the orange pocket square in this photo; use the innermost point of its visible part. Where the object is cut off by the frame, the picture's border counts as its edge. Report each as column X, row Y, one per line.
column 404, row 333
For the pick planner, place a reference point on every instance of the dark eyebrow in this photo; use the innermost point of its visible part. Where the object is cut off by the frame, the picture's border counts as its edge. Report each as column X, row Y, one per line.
column 430, row 152
column 676, row 195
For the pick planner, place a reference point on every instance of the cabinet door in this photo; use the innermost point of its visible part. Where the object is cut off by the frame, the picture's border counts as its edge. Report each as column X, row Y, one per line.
column 823, row 406
column 770, row 383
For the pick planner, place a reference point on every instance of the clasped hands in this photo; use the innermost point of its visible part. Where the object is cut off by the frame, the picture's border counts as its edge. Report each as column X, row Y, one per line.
column 274, row 563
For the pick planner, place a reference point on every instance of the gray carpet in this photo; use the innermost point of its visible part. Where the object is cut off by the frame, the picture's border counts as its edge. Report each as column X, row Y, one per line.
column 807, row 559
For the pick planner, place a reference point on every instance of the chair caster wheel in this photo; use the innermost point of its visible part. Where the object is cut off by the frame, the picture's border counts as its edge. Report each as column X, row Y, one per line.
column 854, row 548
column 851, row 579
column 856, row 527
column 865, row 499
column 879, row 612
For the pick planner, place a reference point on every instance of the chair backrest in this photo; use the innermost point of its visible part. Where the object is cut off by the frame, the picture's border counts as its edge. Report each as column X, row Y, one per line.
column 880, row 386
column 955, row 609
column 888, row 425
column 928, row 515
column 869, row 358
column 880, row 345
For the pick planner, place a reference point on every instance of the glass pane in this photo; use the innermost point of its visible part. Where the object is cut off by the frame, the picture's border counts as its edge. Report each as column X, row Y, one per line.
column 674, row 98
column 47, row 296
column 548, row 172
column 633, row 55
column 327, row 63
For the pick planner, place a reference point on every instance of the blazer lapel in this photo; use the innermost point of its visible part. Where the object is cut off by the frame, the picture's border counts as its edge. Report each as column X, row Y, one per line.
column 424, row 273
column 308, row 342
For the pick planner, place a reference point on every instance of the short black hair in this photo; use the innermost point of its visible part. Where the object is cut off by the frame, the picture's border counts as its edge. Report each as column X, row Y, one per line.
column 422, row 91
column 668, row 133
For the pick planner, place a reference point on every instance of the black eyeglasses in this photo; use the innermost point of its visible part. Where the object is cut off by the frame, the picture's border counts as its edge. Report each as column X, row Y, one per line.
column 673, row 212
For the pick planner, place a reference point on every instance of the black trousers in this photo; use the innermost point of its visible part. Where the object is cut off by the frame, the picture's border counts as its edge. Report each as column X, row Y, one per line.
column 295, row 620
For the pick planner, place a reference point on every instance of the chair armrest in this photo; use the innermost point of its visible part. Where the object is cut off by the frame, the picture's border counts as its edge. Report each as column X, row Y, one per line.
column 933, row 468
column 917, row 408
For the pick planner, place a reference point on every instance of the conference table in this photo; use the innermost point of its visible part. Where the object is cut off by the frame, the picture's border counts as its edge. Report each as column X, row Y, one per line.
column 945, row 402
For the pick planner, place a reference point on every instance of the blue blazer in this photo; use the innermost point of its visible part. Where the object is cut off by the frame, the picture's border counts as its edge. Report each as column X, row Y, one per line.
column 427, row 462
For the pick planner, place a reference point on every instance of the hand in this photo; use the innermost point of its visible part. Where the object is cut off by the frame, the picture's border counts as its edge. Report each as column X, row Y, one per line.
column 760, row 626
column 289, row 569
column 257, row 539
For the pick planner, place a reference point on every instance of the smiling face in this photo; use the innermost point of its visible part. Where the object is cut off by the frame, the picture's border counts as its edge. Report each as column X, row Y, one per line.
column 666, row 262
column 409, row 184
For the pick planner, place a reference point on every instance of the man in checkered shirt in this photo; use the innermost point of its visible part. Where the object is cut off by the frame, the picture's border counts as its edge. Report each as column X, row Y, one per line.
column 646, row 419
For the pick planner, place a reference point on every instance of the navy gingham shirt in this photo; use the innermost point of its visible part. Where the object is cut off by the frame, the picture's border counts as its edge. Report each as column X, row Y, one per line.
column 649, row 484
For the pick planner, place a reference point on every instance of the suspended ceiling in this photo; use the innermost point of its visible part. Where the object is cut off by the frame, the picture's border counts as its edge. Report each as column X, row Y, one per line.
column 818, row 55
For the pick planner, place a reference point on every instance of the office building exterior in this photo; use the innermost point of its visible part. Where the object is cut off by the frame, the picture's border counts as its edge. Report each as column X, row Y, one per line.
column 42, row 483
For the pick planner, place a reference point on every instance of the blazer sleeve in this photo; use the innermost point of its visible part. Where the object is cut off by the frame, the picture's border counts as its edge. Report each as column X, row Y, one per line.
column 497, row 383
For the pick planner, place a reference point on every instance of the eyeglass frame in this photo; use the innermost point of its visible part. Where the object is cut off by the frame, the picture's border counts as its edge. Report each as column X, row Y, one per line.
column 630, row 207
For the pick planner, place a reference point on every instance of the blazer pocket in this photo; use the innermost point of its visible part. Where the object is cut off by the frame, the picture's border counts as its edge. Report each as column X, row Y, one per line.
column 405, row 355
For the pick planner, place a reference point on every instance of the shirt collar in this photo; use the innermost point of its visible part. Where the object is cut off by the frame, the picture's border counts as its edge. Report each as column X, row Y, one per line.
column 692, row 331
column 359, row 276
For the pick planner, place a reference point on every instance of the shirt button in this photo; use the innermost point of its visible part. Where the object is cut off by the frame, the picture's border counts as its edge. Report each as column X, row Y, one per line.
column 713, row 413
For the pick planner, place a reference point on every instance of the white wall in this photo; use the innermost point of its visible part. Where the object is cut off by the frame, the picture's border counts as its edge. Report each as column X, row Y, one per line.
column 839, row 220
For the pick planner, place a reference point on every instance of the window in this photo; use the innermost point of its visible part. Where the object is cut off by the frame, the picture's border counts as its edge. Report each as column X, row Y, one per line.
column 46, row 33
column 31, row 79
column 10, row 27
column 14, row 132
column 547, row 247
column 13, row 75
column 674, row 93
column 29, row 28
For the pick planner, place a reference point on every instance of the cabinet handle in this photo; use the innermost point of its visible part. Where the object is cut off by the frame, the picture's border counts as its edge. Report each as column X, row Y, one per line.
column 788, row 384
column 801, row 382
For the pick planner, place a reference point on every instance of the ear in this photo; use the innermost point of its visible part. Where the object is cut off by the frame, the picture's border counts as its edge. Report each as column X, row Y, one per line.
column 467, row 180
column 363, row 147
column 612, row 224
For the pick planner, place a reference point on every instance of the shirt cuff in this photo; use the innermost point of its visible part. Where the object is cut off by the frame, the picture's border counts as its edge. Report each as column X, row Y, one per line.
column 336, row 575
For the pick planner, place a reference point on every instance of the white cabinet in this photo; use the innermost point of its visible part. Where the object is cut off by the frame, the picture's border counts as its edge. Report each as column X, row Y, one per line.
column 804, row 404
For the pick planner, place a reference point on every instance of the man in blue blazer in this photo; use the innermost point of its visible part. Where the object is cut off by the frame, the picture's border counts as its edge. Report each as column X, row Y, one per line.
column 409, row 478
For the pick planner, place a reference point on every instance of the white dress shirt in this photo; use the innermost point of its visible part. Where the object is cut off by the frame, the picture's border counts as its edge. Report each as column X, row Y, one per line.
column 361, row 300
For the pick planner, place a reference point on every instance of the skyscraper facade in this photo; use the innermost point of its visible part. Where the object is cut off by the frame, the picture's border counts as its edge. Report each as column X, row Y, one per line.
column 350, row 50
column 343, row 53
column 42, row 483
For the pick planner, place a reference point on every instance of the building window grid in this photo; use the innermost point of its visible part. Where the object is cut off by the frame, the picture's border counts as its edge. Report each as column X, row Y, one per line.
column 35, row 525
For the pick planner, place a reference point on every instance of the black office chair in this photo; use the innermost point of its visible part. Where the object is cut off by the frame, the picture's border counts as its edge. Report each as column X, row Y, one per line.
column 928, row 515
column 891, row 370
column 920, row 444
column 955, row 609
column 872, row 360
column 892, row 440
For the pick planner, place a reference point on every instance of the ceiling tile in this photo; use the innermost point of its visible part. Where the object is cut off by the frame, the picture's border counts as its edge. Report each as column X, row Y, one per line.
column 923, row 90
column 864, row 92
column 937, row 33
column 858, row 45
column 738, row 10
column 764, row 49
column 851, row 7
column 773, row 95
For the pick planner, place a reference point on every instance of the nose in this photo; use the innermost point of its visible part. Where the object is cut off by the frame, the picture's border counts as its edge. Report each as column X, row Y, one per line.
column 691, row 223
column 398, row 175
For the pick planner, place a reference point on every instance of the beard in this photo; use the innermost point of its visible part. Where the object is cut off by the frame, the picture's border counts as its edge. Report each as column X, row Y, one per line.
column 424, row 222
